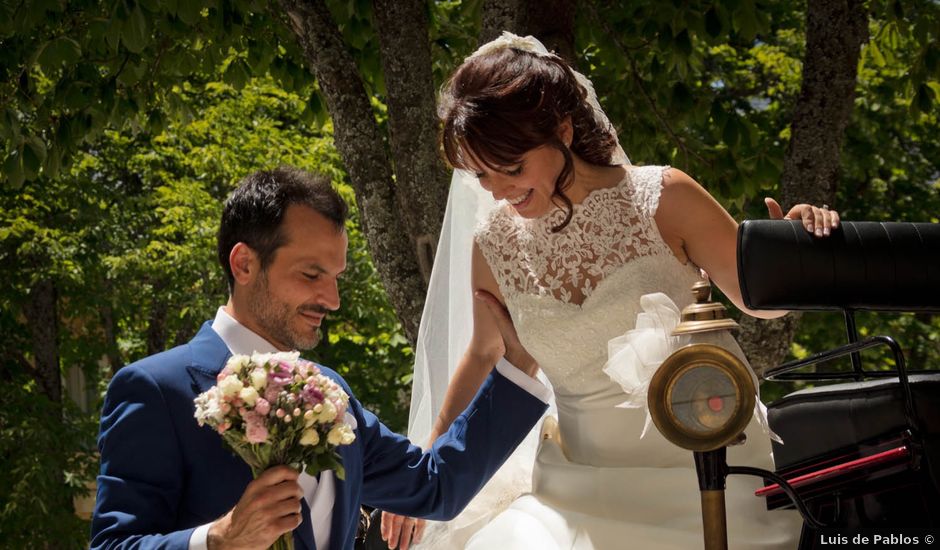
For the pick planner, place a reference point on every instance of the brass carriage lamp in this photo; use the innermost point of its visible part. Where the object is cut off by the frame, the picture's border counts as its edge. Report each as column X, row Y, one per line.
column 701, row 398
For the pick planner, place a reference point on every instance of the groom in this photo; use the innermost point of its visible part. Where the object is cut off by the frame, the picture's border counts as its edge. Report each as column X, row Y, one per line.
column 165, row 482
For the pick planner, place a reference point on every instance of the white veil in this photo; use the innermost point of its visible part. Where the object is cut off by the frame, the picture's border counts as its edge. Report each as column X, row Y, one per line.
column 447, row 320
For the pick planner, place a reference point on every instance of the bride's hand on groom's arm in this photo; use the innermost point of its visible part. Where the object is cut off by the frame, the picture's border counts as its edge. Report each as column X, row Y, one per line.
column 515, row 353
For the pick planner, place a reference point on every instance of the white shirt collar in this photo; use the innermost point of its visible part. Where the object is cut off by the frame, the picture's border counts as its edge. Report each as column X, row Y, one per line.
column 239, row 339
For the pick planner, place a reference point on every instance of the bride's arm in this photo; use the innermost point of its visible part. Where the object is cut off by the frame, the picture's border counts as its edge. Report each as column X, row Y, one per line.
column 697, row 228
column 485, row 349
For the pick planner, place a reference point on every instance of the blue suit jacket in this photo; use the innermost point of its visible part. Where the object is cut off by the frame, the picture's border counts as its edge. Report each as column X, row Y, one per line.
column 162, row 475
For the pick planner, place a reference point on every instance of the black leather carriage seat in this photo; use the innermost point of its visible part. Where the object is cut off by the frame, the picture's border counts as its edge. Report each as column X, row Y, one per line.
column 861, row 266
column 879, row 266
column 846, row 414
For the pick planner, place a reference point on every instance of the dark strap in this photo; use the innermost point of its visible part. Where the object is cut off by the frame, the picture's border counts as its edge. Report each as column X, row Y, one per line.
column 882, row 266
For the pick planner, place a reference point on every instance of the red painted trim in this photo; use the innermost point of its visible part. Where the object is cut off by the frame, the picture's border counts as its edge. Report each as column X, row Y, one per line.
column 892, row 455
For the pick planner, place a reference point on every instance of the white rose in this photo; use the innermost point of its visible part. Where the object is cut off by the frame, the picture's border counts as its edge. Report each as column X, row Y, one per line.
column 341, row 434
column 259, row 378
column 328, row 413
column 286, row 356
column 230, row 385
column 249, row 395
column 309, row 437
column 238, row 362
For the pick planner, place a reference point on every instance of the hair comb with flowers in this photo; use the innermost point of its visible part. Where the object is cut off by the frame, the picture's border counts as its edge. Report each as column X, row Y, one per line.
column 508, row 40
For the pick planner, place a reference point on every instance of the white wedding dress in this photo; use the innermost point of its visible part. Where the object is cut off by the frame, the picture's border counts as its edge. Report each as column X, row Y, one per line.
column 597, row 484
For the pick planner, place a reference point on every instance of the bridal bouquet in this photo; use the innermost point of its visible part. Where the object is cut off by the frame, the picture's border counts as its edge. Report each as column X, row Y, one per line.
column 274, row 409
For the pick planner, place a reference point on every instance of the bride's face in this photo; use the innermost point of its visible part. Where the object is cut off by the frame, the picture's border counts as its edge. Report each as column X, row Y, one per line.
column 527, row 186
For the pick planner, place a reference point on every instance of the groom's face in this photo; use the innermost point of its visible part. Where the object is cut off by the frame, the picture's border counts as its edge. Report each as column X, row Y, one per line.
column 291, row 297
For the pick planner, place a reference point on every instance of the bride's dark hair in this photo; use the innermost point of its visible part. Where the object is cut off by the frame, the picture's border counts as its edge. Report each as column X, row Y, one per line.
column 499, row 105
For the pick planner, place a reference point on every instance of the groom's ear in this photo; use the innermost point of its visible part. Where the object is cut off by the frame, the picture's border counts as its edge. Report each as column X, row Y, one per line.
column 244, row 263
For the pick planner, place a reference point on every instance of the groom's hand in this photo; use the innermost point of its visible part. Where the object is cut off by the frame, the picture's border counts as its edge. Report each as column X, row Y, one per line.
column 269, row 507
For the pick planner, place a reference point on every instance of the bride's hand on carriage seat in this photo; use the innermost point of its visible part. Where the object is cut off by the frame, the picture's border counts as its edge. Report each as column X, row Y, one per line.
column 818, row 220
column 515, row 353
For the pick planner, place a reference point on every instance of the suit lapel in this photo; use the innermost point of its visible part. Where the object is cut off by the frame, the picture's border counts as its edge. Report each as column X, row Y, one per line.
column 303, row 534
column 209, row 354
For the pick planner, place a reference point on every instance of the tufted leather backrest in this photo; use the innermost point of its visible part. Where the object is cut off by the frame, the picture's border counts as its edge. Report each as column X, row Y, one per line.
column 881, row 266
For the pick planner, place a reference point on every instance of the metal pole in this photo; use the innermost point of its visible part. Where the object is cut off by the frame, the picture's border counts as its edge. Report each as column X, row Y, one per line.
column 713, row 519
column 712, row 467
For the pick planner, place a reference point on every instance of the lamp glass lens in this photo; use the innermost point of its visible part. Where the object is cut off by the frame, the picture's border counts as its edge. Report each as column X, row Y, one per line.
column 703, row 399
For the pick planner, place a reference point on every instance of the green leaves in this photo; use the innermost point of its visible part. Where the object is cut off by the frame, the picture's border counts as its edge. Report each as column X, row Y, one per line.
column 107, row 66
column 13, row 168
column 237, row 73
column 58, row 52
column 34, row 154
column 135, row 34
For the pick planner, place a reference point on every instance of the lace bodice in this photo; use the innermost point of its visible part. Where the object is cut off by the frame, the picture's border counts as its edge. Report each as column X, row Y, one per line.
column 571, row 292
column 609, row 228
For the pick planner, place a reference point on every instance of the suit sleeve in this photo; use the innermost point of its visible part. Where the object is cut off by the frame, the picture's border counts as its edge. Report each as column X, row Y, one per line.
column 141, row 477
column 438, row 483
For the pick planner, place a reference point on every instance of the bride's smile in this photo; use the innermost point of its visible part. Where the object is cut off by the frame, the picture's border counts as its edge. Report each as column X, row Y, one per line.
column 527, row 185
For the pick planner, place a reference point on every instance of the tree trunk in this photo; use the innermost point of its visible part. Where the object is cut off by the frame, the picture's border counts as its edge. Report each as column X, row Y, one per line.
column 363, row 151
column 551, row 21
column 835, row 32
column 420, row 176
column 43, row 319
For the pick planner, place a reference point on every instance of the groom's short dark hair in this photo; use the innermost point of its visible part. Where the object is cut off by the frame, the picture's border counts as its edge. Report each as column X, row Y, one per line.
column 253, row 213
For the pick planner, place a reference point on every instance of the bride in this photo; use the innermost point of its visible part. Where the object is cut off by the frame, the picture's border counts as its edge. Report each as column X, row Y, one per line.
column 576, row 246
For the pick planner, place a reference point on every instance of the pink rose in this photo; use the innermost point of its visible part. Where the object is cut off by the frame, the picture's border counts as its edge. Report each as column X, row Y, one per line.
column 271, row 392
column 227, row 370
column 311, row 394
column 262, row 406
column 255, row 430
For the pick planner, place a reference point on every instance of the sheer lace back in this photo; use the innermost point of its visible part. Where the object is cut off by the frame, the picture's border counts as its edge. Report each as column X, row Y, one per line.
column 611, row 227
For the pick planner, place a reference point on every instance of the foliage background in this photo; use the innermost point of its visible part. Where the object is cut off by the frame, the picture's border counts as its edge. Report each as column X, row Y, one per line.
column 124, row 125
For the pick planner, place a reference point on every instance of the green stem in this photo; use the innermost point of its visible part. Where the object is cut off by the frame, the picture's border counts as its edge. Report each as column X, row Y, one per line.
column 284, row 542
